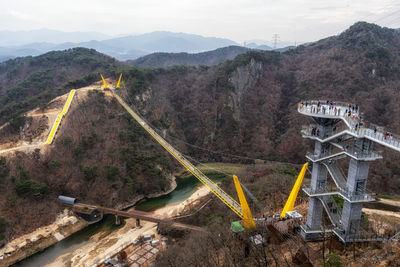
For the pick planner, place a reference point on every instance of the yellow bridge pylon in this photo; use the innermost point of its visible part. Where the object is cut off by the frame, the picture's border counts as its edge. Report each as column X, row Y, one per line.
column 248, row 221
column 119, row 81
column 104, row 82
column 289, row 206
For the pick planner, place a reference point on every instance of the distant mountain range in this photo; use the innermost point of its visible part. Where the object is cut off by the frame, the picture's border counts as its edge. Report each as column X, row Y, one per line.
column 261, row 42
column 37, row 42
column 14, row 44
column 208, row 58
column 18, row 38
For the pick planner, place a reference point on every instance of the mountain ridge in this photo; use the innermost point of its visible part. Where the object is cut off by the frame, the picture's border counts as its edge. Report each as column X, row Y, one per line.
column 16, row 38
column 126, row 47
column 162, row 60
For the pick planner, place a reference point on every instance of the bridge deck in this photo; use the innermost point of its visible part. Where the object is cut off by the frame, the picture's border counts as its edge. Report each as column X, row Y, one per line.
column 227, row 199
column 137, row 214
column 60, row 116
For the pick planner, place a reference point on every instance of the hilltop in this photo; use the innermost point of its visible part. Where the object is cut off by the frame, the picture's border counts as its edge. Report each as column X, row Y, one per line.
column 30, row 81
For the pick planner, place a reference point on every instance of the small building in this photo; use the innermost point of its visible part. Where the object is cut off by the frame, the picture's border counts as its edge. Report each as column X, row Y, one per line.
column 155, row 242
column 67, row 200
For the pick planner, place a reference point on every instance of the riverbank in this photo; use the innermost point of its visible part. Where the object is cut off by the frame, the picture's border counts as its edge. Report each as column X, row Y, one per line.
column 65, row 225
column 173, row 184
column 175, row 209
column 185, row 191
column 24, row 246
column 100, row 248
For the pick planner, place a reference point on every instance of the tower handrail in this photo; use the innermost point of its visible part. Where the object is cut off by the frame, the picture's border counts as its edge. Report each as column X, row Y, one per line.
column 346, row 194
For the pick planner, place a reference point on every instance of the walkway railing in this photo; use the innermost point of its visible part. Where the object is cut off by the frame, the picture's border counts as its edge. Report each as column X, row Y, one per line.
column 351, row 152
column 351, row 117
column 367, row 237
column 378, row 137
column 346, row 194
column 355, row 127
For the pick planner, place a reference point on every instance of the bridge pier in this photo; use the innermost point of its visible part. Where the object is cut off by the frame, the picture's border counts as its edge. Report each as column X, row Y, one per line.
column 117, row 220
column 137, row 222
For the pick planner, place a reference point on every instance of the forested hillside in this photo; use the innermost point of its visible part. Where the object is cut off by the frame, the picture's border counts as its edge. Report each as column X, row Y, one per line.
column 245, row 107
column 157, row 60
column 31, row 81
column 99, row 156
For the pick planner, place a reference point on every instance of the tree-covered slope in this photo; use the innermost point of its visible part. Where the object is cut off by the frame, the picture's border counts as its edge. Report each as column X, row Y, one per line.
column 31, row 81
column 158, row 60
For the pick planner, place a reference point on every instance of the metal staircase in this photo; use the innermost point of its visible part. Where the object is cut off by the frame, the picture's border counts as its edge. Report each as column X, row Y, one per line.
column 336, row 174
column 331, row 209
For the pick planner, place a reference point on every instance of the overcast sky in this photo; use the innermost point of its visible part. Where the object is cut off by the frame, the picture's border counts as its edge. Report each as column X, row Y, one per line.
column 239, row 20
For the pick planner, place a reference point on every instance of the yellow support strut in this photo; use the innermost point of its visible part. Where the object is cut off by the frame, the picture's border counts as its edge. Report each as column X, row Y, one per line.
column 289, row 206
column 247, row 217
column 119, row 80
column 104, row 82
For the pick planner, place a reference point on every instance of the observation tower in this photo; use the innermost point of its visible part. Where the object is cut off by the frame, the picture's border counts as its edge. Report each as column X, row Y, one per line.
column 339, row 133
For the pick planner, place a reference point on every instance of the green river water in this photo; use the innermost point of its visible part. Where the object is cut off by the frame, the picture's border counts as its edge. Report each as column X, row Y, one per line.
column 185, row 187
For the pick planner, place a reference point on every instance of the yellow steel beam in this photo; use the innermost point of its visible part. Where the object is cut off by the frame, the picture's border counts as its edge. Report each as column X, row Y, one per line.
column 54, row 129
column 293, row 195
column 68, row 102
column 214, row 188
column 119, row 80
column 57, row 122
column 248, row 221
column 104, row 81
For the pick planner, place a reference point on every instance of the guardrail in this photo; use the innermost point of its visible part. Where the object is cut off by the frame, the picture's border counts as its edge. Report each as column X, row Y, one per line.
column 59, row 118
column 348, row 195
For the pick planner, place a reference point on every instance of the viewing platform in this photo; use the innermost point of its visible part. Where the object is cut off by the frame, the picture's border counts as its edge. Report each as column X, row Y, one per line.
column 331, row 110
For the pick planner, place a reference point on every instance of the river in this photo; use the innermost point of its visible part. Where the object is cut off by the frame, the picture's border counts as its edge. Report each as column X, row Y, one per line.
column 185, row 188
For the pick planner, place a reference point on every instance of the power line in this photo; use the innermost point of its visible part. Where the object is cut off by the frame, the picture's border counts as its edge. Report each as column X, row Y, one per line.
column 387, row 16
column 390, row 22
column 381, row 9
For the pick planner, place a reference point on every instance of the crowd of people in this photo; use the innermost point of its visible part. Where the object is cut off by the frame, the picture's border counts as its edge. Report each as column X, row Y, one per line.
column 387, row 136
column 350, row 111
column 330, row 107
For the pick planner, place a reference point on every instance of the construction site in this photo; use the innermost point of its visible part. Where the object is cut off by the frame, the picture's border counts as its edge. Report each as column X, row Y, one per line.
column 335, row 197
